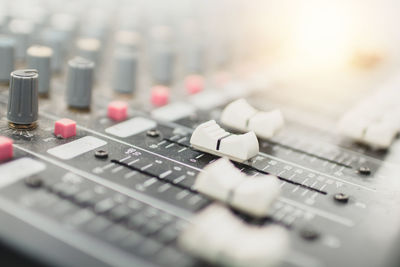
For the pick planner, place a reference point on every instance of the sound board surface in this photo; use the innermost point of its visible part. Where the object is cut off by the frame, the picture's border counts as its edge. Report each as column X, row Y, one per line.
column 132, row 136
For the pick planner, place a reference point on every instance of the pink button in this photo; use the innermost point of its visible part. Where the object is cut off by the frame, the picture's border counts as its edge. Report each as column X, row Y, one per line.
column 159, row 95
column 194, row 84
column 6, row 148
column 117, row 110
column 65, row 128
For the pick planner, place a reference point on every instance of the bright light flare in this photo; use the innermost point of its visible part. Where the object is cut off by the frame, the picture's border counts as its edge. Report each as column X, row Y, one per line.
column 323, row 34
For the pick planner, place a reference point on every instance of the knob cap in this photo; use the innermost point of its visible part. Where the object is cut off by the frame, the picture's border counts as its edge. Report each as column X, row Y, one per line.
column 22, row 108
column 39, row 58
column 7, row 48
column 79, row 83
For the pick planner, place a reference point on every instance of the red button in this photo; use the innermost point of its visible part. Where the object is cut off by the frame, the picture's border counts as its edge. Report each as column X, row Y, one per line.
column 159, row 95
column 65, row 128
column 6, row 148
column 117, row 110
column 194, row 84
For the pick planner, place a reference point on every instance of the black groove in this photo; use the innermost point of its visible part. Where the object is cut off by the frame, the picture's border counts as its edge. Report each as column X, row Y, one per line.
column 287, row 180
column 308, row 154
column 153, row 175
column 264, row 172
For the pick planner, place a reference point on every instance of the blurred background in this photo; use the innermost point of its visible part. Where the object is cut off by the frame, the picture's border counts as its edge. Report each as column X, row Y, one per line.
column 319, row 53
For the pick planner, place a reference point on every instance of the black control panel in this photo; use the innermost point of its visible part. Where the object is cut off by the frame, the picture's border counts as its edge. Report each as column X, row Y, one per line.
column 105, row 197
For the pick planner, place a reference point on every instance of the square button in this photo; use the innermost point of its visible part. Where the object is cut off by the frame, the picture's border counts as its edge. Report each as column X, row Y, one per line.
column 65, row 128
column 6, row 148
column 117, row 110
column 159, row 95
column 194, row 84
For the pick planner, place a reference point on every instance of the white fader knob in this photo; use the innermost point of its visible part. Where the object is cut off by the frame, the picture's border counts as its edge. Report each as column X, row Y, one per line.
column 375, row 121
column 222, row 181
column 205, row 238
column 380, row 134
column 255, row 195
column 218, row 180
column 219, row 237
column 241, row 116
column 211, row 138
column 257, row 246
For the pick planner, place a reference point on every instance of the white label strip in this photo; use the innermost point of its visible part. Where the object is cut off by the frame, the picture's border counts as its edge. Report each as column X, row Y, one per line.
column 76, row 148
column 208, row 100
column 131, row 127
column 18, row 169
column 173, row 112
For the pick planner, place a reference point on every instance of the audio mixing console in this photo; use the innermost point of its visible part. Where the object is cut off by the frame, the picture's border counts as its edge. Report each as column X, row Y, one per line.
column 112, row 128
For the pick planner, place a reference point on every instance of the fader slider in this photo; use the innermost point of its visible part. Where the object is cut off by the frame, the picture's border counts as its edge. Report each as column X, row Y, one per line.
column 231, row 242
column 241, row 116
column 222, row 181
column 211, row 138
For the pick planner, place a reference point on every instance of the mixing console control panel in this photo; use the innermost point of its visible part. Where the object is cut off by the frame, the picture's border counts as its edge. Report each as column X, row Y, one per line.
column 129, row 137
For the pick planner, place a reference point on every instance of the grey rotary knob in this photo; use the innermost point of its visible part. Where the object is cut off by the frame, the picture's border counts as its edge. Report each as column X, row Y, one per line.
column 162, row 63
column 22, row 110
column 22, row 31
column 125, row 72
column 39, row 57
column 7, row 47
column 79, row 83
column 89, row 48
column 194, row 55
column 162, row 54
column 128, row 40
column 58, row 42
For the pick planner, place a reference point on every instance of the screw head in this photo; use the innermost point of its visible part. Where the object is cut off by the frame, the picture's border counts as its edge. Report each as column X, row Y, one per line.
column 364, row 170
column 101, row 154
column 153, row 133
column 34, row 182
column 309, row 234
column 341, row 197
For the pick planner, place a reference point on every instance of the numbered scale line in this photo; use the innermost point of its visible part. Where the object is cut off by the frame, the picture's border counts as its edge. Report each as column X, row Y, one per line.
column 158, row 177
column 287, row 180
column 308, row 153
column 264, row 172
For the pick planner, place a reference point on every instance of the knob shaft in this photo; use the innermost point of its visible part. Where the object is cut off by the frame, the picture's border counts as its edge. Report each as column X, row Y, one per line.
column 79, row 83
column 22, row 111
